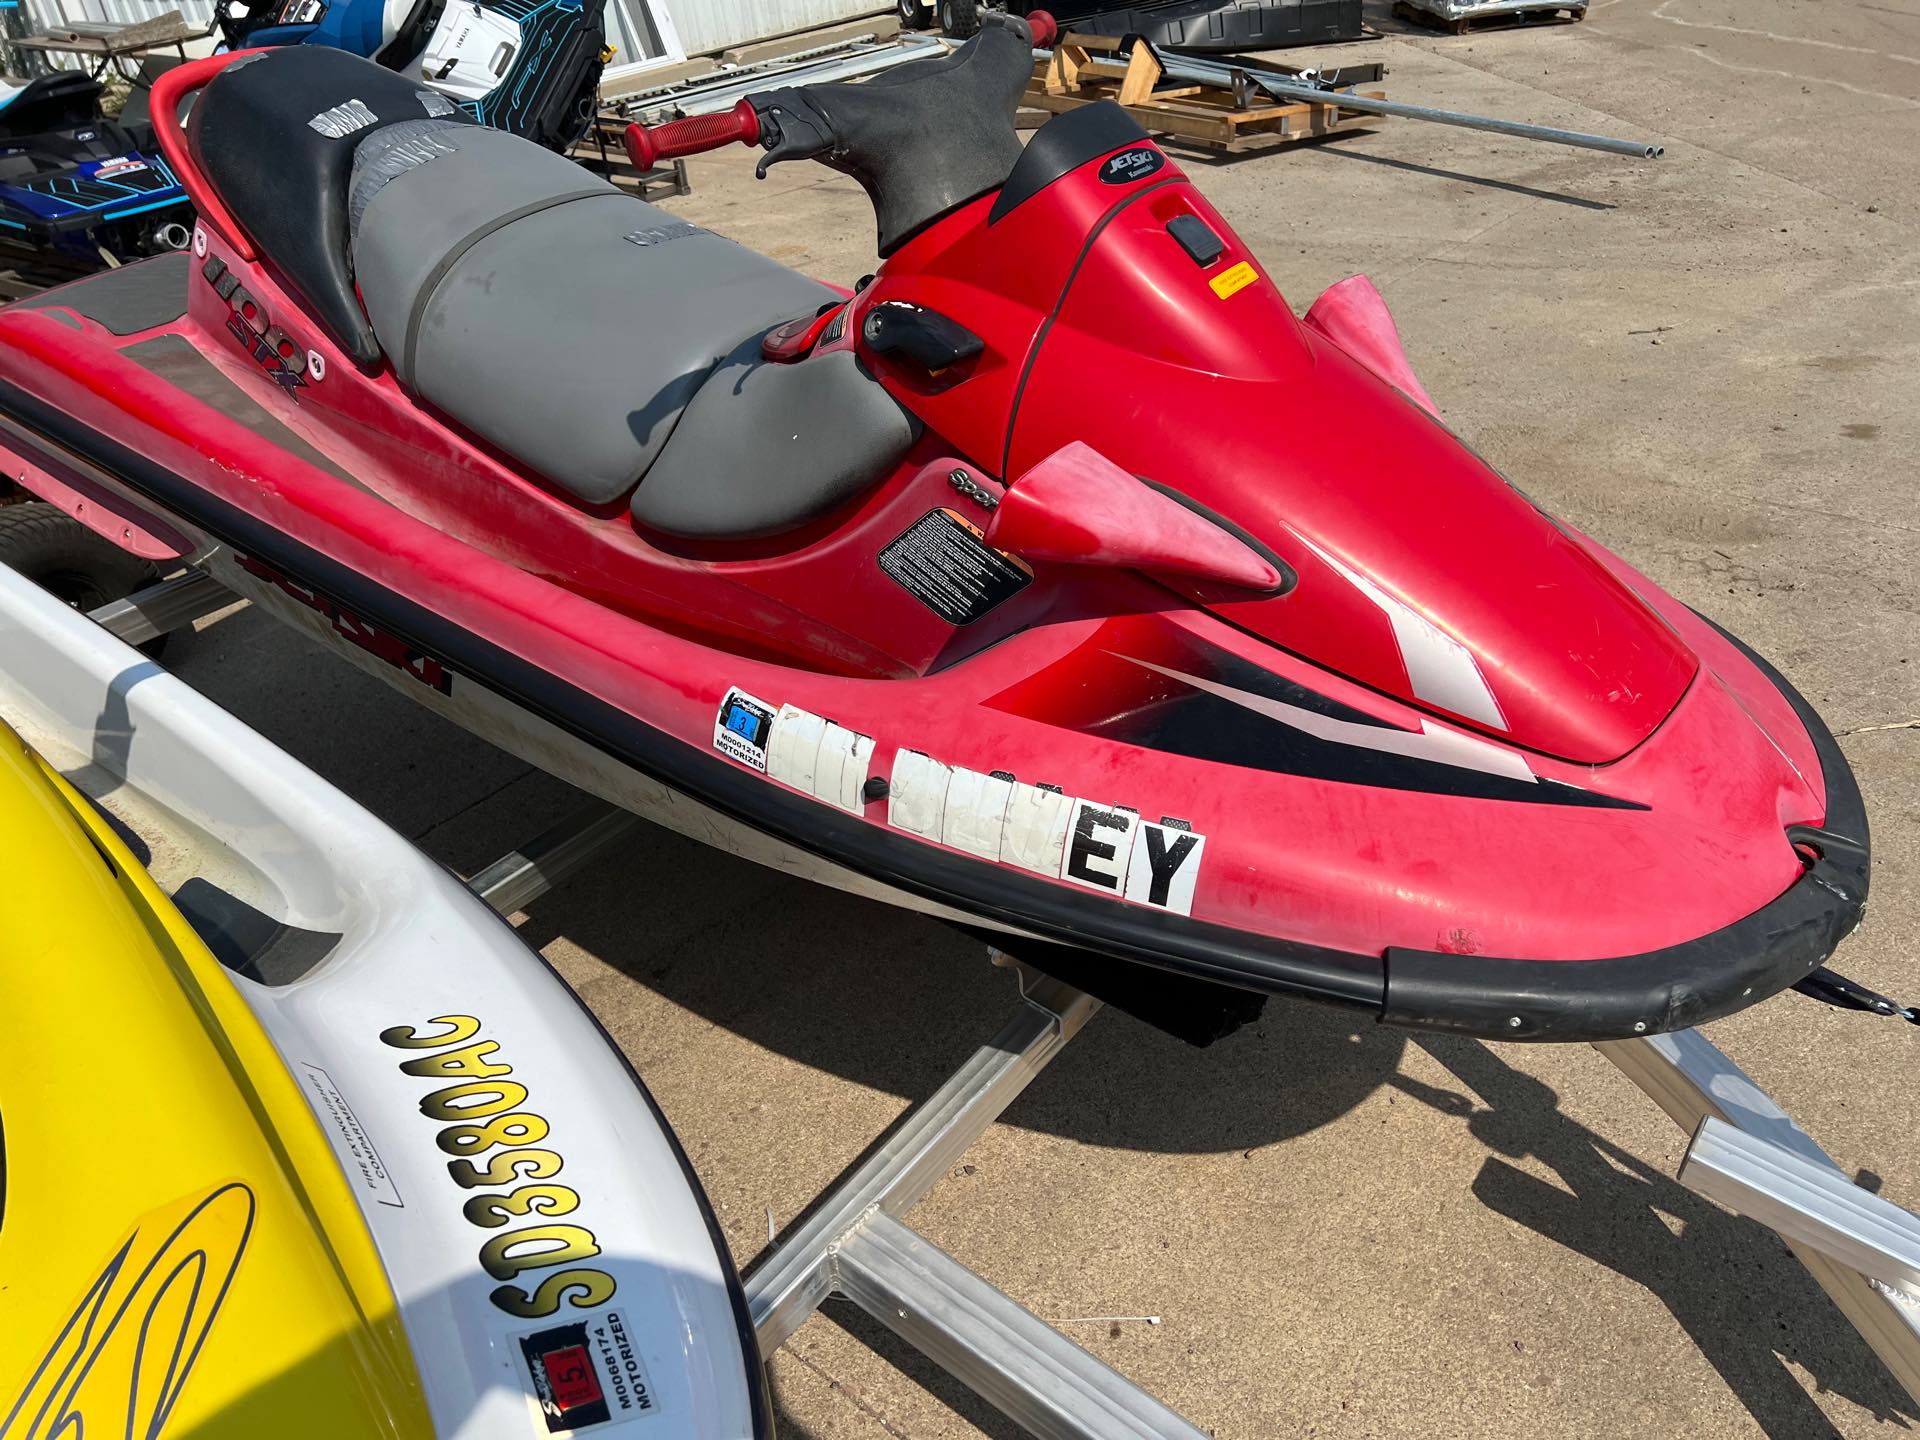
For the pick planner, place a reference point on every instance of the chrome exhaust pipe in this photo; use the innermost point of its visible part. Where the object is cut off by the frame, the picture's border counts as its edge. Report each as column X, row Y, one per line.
column 172, row 236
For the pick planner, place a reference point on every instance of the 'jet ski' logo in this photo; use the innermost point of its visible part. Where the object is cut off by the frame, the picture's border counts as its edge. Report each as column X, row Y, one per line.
column 284, row 361
column 1131, row 165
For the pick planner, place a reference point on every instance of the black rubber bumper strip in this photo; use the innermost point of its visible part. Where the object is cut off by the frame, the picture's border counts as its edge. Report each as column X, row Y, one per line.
column 1680, row 986
column 1554, row 1000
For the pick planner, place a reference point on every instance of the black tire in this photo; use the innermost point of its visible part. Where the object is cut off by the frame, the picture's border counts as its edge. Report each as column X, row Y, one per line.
column 960, row 19
column 62, row 556
column 914, row 15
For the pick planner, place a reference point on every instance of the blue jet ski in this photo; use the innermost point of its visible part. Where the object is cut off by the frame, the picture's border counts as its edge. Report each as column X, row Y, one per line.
column 80, row 186
column 531, row 67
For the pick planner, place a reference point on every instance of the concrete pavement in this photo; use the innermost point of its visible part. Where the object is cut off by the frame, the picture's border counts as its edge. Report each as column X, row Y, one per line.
column 1709, row 362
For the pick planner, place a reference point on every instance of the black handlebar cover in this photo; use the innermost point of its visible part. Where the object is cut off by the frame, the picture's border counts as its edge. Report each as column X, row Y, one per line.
column 921, row 139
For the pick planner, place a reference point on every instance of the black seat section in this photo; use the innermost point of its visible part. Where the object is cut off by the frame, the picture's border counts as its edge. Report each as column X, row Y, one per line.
column 59, row 101
column 275, row 133
column 573, row 326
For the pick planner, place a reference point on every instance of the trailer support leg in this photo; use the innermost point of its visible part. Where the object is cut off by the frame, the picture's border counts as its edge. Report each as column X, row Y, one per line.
column 520, row 877
column 161, row 608
column 853, row 1244
column 1771, row 1170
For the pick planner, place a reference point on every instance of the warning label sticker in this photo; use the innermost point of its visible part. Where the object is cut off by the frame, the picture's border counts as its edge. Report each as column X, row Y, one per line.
column 945, row 565
column 1232, row 282
column 363, row 1163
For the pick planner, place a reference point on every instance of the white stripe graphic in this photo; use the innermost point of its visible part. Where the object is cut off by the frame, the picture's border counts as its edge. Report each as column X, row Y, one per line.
column 1430, row 742
column 1441, row 669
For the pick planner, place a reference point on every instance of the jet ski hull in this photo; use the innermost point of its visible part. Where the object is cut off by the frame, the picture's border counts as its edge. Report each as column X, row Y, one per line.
column 625, row 711
column 1401, row 742
column 389, row 1017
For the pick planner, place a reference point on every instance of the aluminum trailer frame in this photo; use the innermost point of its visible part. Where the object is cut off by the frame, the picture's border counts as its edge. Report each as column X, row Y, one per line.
column 1482, row 9
column 720, row 90
column 1746, row 1152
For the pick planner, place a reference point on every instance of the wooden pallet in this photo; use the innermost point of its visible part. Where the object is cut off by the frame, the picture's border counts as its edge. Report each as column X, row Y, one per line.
column 1503, row 20
column 603, row 150
column 1086, row 69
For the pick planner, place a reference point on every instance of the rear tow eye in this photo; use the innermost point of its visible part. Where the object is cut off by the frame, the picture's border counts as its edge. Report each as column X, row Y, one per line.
column 1836, row 990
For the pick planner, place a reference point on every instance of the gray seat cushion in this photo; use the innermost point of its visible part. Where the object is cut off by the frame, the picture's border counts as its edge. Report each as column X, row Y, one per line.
column 764, row 448
column 558, row 319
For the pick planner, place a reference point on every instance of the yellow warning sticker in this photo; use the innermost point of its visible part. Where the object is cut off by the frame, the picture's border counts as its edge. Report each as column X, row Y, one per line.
column 1232, row 282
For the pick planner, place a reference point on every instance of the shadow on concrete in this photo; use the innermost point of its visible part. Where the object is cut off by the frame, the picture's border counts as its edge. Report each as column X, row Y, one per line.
column 1731, row 1284
column 896, row 1002
column 907, row 1362
column 1559, row 197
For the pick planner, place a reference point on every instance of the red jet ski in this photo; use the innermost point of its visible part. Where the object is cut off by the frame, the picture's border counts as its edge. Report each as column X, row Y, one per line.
column 1058, row 580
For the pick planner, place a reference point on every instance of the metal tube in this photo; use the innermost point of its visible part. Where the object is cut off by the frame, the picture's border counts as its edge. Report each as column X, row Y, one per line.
column 1192, row 70
column 162, row 607
column 755, row 67
column 1026, row 1369
column 1208, row 72
column 790, row 1284
column 520, row 877
column 714, row 96
column 1805, row 1202
column 1686, row 1076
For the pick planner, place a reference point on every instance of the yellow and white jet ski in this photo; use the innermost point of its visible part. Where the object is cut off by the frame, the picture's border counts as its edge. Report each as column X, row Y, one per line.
column 296, row 1138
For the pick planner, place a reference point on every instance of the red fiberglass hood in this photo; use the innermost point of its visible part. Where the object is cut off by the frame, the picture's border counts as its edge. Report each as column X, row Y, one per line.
column 1421, row 572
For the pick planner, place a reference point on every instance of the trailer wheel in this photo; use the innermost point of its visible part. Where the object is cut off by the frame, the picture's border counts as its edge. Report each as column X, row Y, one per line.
column 915, row 15
column 960, row 19
column 62, row 556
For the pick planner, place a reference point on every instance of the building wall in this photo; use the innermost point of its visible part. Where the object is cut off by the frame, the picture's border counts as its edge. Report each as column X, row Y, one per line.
column 43, row 15
column 702, row 25
column 715, row 24
column 629, row 25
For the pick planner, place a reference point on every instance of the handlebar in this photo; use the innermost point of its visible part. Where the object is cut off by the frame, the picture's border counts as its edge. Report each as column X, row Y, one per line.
column 647, row 145
column 920, row 139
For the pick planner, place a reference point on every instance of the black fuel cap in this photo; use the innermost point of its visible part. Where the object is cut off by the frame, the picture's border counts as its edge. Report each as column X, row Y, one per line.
column 1196, row 237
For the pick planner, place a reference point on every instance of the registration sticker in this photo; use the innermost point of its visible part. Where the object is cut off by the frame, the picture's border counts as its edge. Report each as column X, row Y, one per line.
column 1232, row 282
column 565, row 1379
column 742, row 729
column 587, row 1374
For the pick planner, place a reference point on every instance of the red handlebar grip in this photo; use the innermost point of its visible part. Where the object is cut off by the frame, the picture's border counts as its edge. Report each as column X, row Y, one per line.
column 647, row 145
column 1045, row 29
